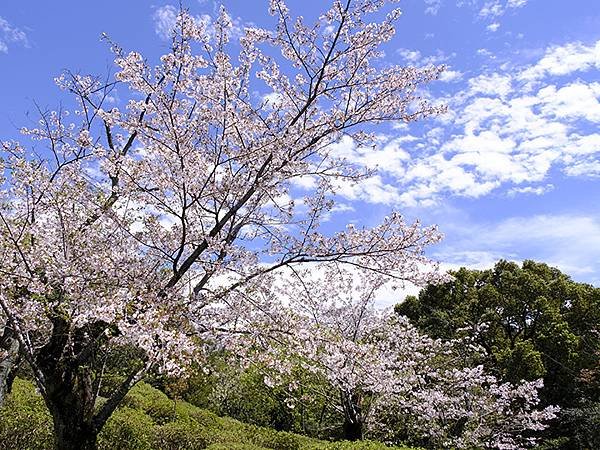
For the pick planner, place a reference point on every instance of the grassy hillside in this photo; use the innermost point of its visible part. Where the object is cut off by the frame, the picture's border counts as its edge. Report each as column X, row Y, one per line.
column 148, row 419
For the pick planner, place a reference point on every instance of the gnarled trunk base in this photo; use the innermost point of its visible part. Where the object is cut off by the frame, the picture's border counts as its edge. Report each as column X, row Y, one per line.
column 353, row 431
column 70, row 435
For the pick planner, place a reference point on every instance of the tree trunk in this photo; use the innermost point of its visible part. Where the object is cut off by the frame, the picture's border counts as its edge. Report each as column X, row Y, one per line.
column 72, row 406
column 8, row 365
column 69, row 379
column 71, row 434
column 352, row 430
column 353, row 425
column 68, row 386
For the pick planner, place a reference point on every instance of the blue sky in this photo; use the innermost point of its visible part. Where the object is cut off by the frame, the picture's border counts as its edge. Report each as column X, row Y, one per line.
column 511, row 171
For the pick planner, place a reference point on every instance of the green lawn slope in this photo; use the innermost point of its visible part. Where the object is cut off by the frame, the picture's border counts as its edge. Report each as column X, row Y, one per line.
column 148, row 419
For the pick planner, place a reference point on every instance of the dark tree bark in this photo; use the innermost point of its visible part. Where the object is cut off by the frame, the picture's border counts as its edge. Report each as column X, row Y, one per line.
column 68, row 388
column 353, row 431
column 70, row 383
column 353, row 423
column 71, row 432
column 9, row 364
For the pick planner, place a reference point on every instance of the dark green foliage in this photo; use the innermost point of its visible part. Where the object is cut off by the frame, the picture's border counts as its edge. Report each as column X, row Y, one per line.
column 242, row 395
column 521, row 361
column 228, row 390
column 537, row 323
column 182, row 435
column 268, row 438
column 583, row 424
column 115, row 364
column 234, row 446
column 150, row 420
column 347, row 445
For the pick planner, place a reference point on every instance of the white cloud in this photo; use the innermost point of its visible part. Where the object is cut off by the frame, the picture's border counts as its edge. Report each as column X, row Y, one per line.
column 503, row 132
column 414, row 57
column 338, row 209
column 569, row 242
column 433, row 6
column 564, row 60
column 491, row 85
column 584, row 168
column 497, row 137
column 496, row 8
column 493, row 9
column 451, row 76
column 164, row 21
column 389, row 156
column 488, row 141
column 577, row 100
column 9, row 35
column 373, row 190
column 535, row 190
column 411, row 56
column 273, row 99
column 471, row 259
column 485, row 52
column 516, row 3
column 165, row 17
column 306, row 182
column 493, row 27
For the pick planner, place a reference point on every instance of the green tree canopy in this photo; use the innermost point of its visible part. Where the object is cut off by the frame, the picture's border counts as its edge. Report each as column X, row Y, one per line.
column 532, row 320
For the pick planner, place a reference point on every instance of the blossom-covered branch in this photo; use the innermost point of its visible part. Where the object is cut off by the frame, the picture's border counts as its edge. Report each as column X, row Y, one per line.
column 137, row 217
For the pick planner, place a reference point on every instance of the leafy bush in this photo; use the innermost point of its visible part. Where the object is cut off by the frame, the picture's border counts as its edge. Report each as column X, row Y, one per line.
column 148, row 419
column 234, row 446
column 25, row 423
column 127, row 429
column 347, row 445
column 241, row 394
column 180, row 435
column 268, row 438
column 152, row 402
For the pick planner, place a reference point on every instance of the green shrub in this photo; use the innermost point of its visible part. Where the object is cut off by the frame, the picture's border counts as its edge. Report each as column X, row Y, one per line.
column 180, row 435
column 347, row 445
column 149, row 420
column 234, row 446
column 268, row 438
column 25, row 423
column 151, row 401
column 241, row 394
column 127, row 429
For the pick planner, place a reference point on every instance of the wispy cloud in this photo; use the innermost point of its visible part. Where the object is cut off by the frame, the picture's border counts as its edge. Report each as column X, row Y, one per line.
column 501, row 132
column 165, row 18
column 9, row 35
column 569, row 242
column 497, row 8
column 563, row 60
column 415, row 57
column 493, row 27
column 432, row 6
column 533, row 190
column 164, row 21
column 485, row 9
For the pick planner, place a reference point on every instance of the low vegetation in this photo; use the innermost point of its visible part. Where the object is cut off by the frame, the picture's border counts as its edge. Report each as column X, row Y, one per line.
column 148, row 419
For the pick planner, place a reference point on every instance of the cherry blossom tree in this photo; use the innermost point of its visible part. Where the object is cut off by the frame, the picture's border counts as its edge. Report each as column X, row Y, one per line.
column 388, row 380
column 132, row 221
